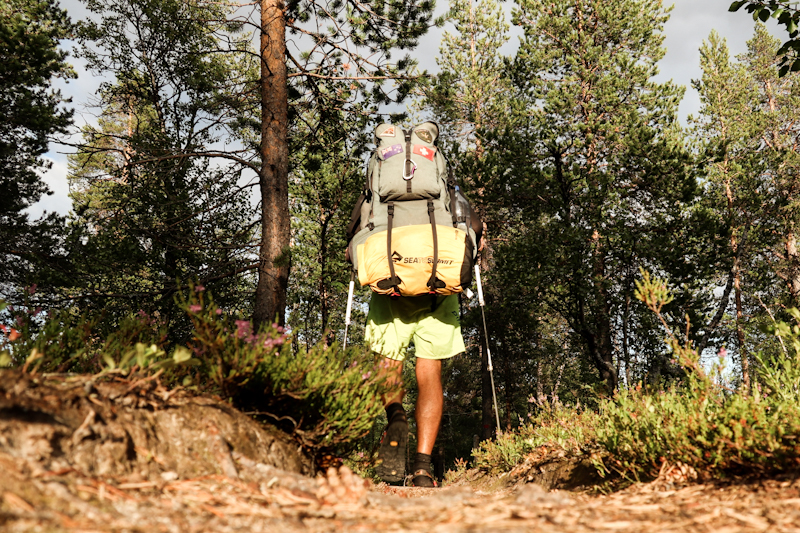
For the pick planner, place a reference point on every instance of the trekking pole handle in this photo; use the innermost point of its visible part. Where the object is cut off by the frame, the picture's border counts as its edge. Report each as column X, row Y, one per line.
column 480, row 286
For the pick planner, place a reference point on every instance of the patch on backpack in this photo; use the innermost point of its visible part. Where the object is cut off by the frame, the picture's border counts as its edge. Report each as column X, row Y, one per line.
column 388, row 132
column 428, row 152
column 395, row 149
column 424, row 134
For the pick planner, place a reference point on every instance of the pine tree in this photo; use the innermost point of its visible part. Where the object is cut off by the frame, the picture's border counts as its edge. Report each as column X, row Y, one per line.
column 593, row 177
column 746, row 126
column 325, row 182
column 348, row 41
column 30, row 112
column 152, row 209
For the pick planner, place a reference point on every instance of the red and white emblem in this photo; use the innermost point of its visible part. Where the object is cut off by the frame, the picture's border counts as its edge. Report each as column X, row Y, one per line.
column 428, row 152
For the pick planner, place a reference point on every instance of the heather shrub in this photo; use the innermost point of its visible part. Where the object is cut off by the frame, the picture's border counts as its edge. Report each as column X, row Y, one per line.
column 561, row 427
column 325, row 396
column 700, row 422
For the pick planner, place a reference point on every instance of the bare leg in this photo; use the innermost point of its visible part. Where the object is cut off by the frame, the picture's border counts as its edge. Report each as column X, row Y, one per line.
column 393, row 370
column 430, row 403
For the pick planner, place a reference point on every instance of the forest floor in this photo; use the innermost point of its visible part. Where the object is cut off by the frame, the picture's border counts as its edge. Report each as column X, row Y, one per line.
column 79, row 455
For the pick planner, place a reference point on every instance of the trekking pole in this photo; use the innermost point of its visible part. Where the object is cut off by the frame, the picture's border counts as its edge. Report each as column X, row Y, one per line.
column 349, row 306
column 488, row 352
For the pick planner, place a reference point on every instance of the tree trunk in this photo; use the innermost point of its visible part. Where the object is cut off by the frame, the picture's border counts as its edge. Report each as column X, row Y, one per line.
column 793, row 270
column 601, row 346
column 274, row 258
column 745, row 358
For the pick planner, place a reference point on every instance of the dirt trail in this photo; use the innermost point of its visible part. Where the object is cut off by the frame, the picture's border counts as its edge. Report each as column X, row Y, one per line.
column 117, row 457
column 340, row 502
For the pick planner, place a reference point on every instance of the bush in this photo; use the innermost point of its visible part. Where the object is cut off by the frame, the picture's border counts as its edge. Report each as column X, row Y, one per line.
column 571, row 429
column 697, row 422
column 65, row 341
column 700, row 422
column 325, row 396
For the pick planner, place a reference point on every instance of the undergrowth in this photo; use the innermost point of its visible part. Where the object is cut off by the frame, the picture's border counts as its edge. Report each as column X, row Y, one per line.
column 326, row 397
column 556, row 426
column 698, row 422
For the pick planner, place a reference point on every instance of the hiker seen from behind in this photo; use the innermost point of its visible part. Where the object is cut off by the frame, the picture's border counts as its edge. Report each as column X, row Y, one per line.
column 413, row 238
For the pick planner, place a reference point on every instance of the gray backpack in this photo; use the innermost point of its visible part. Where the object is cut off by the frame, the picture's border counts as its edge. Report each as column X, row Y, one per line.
column 412, row 231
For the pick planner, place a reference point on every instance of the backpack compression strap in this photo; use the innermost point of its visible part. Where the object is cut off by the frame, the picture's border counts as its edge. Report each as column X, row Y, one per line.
column 434, row 283
column 355, row 215
column 393, row 281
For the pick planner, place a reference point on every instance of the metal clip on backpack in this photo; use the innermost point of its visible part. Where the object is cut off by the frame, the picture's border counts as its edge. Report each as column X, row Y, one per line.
column 412, row 232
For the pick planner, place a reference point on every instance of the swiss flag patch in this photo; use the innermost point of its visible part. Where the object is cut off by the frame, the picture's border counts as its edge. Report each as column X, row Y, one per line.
column 425, row 151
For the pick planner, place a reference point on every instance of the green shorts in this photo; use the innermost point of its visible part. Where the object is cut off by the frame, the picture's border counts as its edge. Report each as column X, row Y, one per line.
column 393, row 323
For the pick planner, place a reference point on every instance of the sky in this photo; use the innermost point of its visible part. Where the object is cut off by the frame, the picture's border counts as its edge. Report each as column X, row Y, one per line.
column 690, row 24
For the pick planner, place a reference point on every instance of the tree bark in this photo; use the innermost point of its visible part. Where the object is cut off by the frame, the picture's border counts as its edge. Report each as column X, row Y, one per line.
column 601, row 345
column 274, row 257
column 793, row 270
column 740, row 340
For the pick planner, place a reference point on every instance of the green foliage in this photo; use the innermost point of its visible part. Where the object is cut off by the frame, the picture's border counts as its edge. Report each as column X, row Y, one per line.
column 557, row 426
column 31, row 111
column 701, row 423
column 698, row 422
column 591, row 180
column 788, row 15
column 743, row 137
column 328, row 179
column 65, row 341
column 151, row 208
column 326, row 396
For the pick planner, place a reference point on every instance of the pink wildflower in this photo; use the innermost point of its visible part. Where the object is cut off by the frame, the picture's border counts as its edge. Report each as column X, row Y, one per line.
column 367, row 375
column 723, row 353
column 218, row 311
column 195, row 308
column 32, row 289
column 199, row 288
column 243, row 328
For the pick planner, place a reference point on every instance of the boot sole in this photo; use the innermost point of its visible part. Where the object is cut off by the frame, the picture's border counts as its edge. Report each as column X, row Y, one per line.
column 392, row 454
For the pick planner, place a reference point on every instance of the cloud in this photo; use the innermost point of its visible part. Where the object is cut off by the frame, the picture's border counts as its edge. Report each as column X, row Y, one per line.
column 56, row 180
column 690, row 24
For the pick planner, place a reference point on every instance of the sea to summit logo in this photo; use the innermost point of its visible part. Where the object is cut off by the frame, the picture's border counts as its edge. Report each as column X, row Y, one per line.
column 397, row 258
column 423, row 260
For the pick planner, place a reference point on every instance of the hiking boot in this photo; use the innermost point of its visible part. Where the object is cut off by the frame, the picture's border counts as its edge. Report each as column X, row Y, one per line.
column 391, row 465
column 423, row 478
